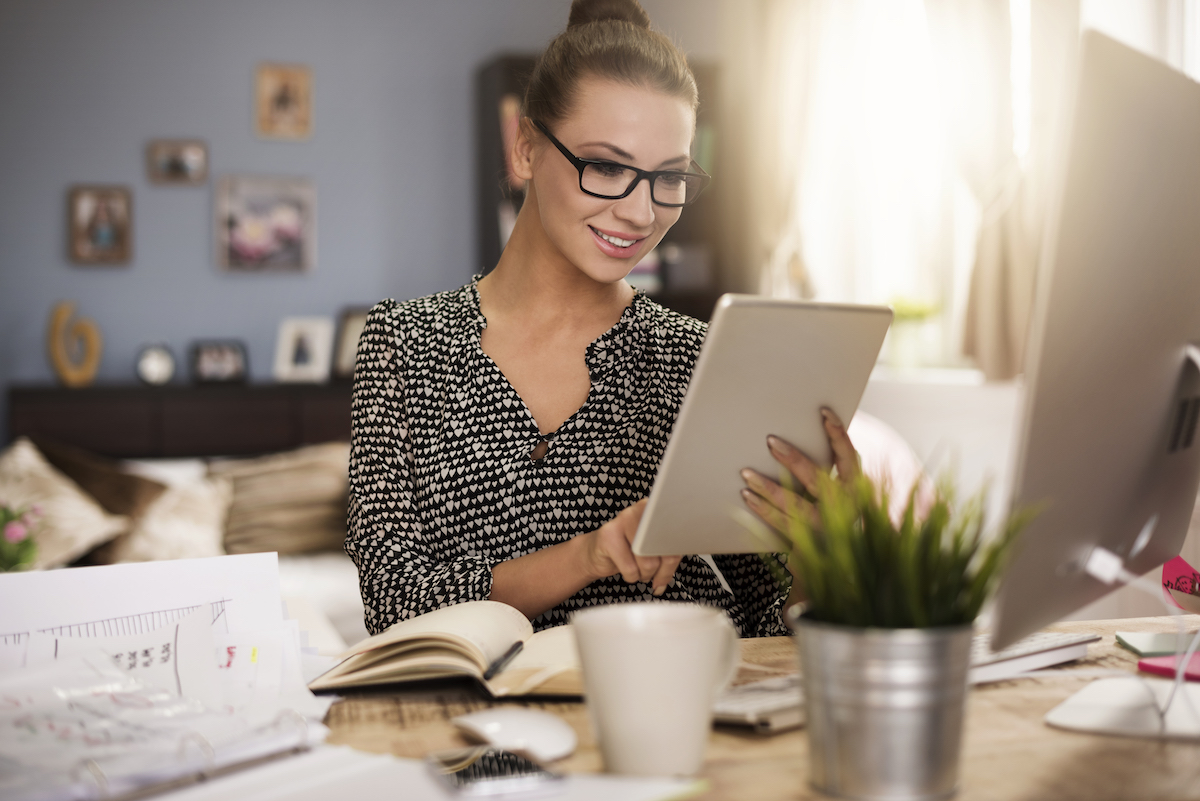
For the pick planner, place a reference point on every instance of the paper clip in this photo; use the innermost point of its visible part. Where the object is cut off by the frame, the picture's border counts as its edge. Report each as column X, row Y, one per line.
column 91, row 768
column 210, row 754
column 296, row 717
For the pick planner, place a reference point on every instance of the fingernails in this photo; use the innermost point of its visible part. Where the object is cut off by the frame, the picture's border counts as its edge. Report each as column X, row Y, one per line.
column 778, row 446
column 749, row 497
column 659, row 591
column 749, row 476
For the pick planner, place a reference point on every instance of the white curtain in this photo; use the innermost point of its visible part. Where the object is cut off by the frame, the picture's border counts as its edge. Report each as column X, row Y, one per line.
column 882, row 165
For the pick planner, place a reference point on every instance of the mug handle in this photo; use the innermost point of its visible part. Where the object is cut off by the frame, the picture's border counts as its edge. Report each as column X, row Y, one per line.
column 731, row 654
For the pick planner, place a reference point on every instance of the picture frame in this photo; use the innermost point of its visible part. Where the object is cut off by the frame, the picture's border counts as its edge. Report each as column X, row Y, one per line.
column 100, row 224
column 177, row 161
column 265, row 224
column 219, row 361
column 350, row 328
column 283, row 101
column 303, row 350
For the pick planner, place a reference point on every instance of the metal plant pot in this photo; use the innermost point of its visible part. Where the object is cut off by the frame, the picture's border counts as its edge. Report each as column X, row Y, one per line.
column 885, row 708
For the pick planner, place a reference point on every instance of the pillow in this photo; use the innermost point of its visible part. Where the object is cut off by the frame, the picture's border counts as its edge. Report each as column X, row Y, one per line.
column 185, row 522
column 73, row 523
column 289, row 502
column 119, row 492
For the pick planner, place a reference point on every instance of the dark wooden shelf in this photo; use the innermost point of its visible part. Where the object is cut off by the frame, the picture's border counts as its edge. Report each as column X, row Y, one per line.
column 133, row 421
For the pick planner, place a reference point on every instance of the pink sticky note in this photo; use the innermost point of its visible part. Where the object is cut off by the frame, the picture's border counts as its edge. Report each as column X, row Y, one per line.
column 1167, row 665
column 1178, row 575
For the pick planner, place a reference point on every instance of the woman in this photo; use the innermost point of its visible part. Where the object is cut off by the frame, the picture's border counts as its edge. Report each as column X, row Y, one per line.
column 505, row 433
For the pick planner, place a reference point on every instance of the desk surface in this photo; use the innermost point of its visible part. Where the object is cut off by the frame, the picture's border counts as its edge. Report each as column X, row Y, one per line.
column 1008, row 752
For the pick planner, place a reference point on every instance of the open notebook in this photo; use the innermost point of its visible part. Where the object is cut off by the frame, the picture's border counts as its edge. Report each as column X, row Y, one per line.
column 464, row 640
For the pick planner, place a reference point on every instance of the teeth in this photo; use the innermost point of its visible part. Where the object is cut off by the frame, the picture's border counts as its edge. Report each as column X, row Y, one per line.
column 621, row 243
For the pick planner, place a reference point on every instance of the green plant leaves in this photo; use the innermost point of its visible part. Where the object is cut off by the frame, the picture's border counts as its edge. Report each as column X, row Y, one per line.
column 860, row 569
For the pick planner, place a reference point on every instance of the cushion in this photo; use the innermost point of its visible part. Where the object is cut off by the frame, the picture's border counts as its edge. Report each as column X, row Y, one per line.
column 185, row 522
column 73, row 524
column 289, row 502
column 119, row 492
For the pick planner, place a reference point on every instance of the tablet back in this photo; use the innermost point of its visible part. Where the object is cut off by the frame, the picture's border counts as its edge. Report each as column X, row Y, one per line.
column 766, row 367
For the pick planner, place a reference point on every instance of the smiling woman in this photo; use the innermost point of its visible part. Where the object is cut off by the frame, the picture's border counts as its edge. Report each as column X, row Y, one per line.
column 506, row 433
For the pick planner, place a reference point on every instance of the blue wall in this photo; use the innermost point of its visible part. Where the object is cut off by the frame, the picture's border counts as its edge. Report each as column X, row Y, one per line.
column 85, row 84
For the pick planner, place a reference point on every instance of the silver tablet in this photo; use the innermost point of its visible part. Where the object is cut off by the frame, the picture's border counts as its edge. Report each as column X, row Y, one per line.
column 767, row 367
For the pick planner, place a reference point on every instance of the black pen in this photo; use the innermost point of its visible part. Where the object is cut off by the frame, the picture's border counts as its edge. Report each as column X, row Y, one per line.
column 500, row 663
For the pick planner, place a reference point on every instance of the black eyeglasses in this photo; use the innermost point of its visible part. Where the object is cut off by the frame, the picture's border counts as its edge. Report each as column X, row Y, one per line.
column 613, row 181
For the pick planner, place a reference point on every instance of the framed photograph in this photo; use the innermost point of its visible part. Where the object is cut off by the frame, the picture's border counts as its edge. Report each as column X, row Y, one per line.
column 266, row 224
column 350, row 328
column 100, row 224
column 177, row 161
column 304, row 349
column 219, row 361
column 283, row 101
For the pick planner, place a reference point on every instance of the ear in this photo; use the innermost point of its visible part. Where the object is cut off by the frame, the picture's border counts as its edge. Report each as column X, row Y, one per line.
column 523, row 149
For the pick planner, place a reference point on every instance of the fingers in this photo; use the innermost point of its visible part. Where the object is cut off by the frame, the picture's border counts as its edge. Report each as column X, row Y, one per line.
column 799, row 465
column 666, row 571
column 845, row 457
column 781, row 498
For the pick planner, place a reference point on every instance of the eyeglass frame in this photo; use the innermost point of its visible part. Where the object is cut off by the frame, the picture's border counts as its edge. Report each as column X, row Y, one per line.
column 641, row 175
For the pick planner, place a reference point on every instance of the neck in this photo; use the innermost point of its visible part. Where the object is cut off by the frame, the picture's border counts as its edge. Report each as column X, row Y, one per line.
column 534, row 280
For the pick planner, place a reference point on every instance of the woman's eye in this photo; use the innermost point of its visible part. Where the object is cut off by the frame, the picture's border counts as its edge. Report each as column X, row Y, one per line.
column 608, row 170
column 669, row 179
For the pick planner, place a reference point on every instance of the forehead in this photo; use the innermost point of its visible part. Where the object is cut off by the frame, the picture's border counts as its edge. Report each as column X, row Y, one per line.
column 650, row 124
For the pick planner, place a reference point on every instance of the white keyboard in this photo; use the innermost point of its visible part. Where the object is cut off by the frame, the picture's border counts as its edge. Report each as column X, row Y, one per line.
column 1040, row 650
column 777, row 704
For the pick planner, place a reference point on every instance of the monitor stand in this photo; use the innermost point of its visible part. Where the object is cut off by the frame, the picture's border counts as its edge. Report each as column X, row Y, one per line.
column 1128, row 706
column 1132, row 706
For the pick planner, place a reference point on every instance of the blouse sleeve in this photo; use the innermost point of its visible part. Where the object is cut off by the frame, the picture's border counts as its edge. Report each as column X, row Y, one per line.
column 399, row 573
column 760, row 596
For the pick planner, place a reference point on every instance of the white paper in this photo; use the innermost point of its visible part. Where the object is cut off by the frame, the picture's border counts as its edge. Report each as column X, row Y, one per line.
column 241, row 593
column 175, row 658
column 55, row 718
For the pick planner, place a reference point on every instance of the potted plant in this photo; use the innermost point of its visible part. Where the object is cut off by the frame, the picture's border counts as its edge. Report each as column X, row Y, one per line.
column 885, row 634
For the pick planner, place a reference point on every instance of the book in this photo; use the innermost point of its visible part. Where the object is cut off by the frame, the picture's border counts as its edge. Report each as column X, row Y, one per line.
column 464, row 640
column 1166, row 666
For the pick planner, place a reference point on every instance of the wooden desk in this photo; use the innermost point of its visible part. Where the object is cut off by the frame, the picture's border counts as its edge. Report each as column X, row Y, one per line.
column 1008, row 753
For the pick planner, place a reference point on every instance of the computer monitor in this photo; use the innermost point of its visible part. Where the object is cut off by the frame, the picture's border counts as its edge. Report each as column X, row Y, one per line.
column 1109, row 443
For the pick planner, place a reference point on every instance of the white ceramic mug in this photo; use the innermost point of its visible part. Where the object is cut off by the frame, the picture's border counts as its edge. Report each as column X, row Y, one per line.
column 651, row 671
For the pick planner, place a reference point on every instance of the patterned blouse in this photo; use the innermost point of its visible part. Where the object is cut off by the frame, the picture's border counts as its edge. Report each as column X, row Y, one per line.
column 443, row 486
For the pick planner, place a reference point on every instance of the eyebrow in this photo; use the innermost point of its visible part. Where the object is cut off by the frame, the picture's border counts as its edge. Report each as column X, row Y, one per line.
column 619, row 153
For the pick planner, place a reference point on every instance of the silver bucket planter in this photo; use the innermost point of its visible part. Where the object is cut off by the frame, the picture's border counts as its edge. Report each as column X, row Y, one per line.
column 885, row 708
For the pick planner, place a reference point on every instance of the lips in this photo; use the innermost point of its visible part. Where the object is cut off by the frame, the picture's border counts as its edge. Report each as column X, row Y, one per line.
column 611, row 244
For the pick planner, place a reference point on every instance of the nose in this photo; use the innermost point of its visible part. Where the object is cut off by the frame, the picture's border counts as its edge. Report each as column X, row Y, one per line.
column 637, row 208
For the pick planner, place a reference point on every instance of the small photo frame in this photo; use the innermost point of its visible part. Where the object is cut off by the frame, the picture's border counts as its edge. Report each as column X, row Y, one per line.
column 100, row 224
column 177, row 161
column 266, row 224
column 304, row 350
column 219, row 361
column 283, row 101
column 350, row 328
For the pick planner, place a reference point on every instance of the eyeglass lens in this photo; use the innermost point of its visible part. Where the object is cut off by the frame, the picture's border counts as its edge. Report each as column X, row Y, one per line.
column 612, row 180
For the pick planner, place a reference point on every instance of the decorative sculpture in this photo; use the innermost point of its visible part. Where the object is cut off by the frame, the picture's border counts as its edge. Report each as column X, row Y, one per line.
column 75, row 348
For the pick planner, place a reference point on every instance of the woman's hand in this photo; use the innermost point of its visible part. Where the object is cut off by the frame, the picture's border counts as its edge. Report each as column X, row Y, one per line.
column 609, row 551
column 771, row 501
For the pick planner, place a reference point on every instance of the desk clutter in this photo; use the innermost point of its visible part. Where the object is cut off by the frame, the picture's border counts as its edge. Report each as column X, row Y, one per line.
column 124, row 678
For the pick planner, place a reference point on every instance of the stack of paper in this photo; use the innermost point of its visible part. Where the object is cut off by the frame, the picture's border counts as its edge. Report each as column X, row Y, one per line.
column 131, row 675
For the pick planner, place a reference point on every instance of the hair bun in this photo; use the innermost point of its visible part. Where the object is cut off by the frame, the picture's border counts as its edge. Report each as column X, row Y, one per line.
column 585, row 11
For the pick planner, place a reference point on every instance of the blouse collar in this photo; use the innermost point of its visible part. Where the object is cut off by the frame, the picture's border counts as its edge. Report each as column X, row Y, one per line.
column 607, row 350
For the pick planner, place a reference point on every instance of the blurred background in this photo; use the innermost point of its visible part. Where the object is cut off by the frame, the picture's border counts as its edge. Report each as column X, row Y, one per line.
column 882, row 151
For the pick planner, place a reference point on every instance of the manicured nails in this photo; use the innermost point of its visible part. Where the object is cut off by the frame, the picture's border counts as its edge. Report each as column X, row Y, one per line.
column 778, row 446
column 658, row 591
